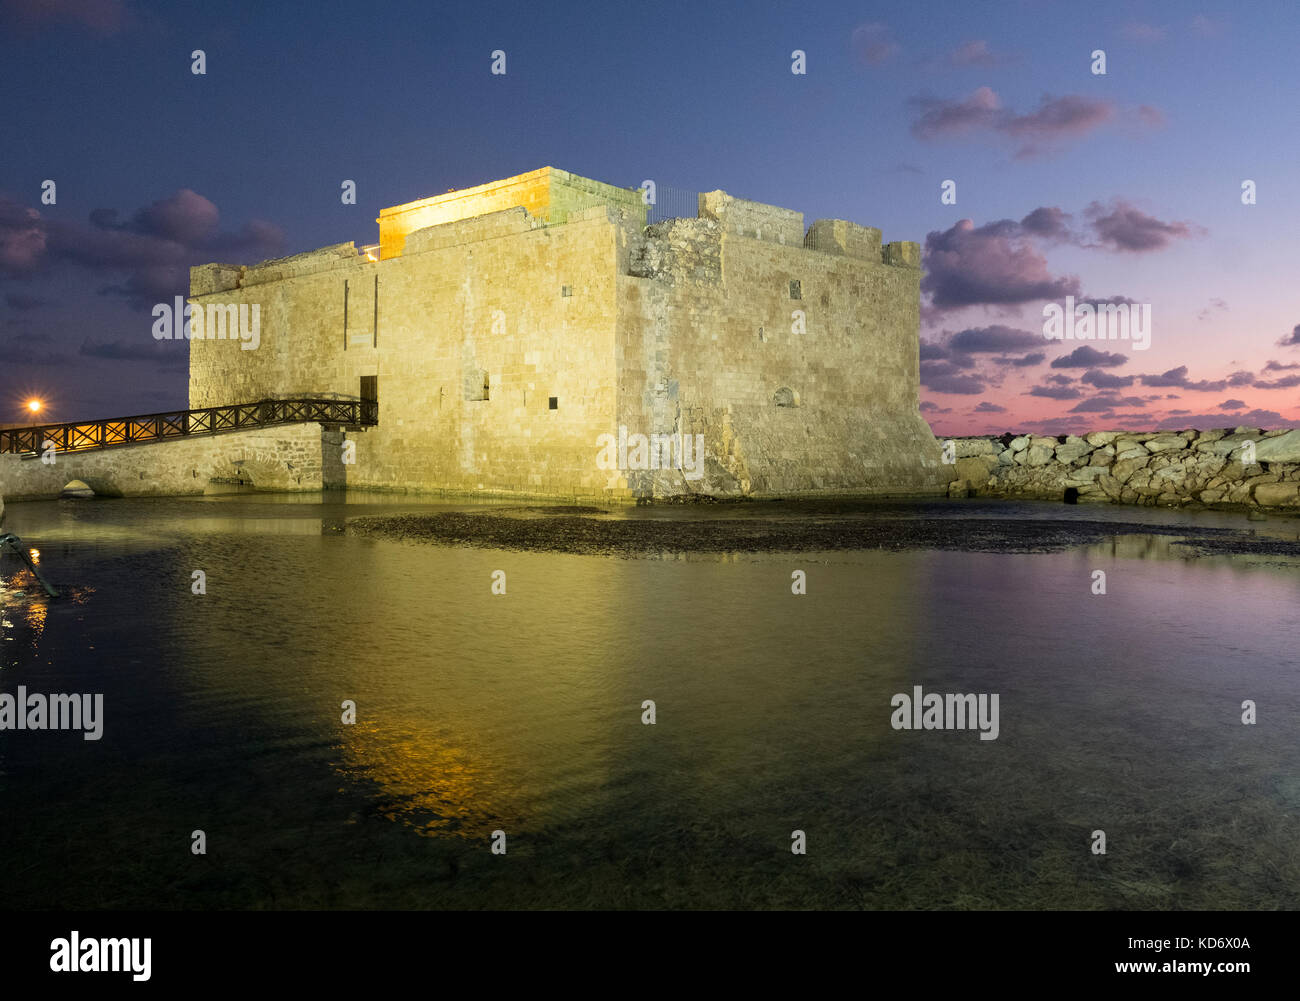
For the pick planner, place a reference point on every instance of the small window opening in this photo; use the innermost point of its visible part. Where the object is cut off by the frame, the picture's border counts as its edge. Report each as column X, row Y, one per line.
column 553, row 403
column 796, row 289
column 476, row 385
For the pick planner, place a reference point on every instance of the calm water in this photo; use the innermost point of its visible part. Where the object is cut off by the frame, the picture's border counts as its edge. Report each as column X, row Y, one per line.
column 523, row 713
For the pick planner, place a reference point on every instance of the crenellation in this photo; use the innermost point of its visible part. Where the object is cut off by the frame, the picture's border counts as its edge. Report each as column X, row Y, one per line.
column 837, row 236
column 753, row 219
column 904, row 253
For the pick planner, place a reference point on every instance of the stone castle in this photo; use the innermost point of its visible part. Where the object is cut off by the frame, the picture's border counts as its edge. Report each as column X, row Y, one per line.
column 510, row 330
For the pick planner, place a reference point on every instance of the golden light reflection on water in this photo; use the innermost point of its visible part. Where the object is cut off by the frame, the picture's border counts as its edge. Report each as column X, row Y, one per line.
column 24, row 606
column 428, row 783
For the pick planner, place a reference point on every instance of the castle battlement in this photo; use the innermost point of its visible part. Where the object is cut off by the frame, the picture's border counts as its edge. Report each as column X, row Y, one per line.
column 549, row 197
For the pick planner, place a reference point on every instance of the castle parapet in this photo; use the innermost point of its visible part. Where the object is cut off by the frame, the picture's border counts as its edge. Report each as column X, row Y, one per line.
column 753, row 219
column 207, row 279
column 847, row 239
column 904, row 253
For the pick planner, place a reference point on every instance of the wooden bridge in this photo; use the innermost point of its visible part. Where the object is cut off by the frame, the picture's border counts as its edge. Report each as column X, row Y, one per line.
column 85, row 436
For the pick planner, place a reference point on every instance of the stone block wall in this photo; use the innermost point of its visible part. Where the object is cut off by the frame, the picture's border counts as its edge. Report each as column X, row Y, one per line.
column 810, row 395
column 282, row 459
column 1239, row 468
column 497, row 300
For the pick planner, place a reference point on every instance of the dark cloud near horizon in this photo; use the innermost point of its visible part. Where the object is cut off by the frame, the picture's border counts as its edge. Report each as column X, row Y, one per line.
column 946, row 377
column 1106, row 402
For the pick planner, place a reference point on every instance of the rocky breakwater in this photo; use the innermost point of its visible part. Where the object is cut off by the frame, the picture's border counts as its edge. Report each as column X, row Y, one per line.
column 1241, row 468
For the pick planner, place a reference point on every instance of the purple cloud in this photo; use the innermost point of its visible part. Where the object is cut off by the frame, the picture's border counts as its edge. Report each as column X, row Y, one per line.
column 1047, row 222
column 981, row 109
column 1122, row 227
column 1086, row 357
column 1105, row 402
column 1104, row 380
column 1291, row 340
column 945, row 377
column 988, row 265
column 994, row 339
column 1055, row 118
column 1178, row 377
column 1056, row 392
column 155, row 247
column 1286, row 382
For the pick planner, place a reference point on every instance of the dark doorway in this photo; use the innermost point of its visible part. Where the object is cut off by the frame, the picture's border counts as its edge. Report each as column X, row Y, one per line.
column 369, row 398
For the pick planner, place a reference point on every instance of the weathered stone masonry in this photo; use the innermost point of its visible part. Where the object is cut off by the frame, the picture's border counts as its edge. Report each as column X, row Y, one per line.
column 1239, row 468
column 509, row 326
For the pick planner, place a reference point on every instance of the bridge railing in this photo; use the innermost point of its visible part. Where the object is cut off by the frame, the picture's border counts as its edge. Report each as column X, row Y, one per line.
column 82, row 436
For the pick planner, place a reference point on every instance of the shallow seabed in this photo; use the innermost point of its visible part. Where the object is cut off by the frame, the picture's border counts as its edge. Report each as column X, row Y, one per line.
column 522, row 712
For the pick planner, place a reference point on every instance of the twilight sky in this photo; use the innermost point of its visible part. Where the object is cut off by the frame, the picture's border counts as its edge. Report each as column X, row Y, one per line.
column 1124, row 187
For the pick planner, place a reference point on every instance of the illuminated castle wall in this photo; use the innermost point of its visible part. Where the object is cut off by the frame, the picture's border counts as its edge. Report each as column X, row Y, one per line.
column 509, row 326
